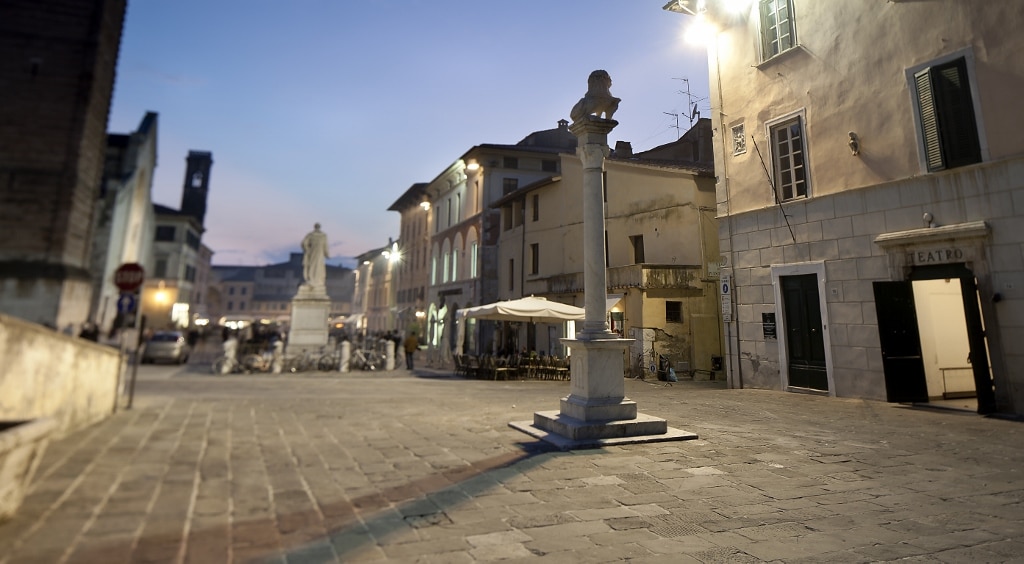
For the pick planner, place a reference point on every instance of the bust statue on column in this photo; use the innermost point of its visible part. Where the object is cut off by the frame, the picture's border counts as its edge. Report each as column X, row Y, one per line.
column 598, row 100
column 314, row 256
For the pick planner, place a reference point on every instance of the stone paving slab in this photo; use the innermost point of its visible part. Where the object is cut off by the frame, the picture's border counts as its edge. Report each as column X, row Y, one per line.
column 396, row 467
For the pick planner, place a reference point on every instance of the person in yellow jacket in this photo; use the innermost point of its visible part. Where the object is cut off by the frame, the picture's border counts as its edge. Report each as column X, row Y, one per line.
column 410, row 345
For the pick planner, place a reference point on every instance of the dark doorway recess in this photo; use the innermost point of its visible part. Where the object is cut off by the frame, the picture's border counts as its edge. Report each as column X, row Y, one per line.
column 805, row 341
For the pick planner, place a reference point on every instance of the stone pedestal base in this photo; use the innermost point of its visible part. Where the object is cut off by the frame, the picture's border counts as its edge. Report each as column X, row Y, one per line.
column 596, row 412
column 310, row 310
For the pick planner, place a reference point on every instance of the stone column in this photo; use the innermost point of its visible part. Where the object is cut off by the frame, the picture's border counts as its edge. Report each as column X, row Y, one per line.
column 592, row 148
column 596, row 411
column 598, row 389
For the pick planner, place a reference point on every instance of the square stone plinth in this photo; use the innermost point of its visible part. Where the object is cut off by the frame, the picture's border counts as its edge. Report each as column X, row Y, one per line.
column 568, row 433
column 309, row 323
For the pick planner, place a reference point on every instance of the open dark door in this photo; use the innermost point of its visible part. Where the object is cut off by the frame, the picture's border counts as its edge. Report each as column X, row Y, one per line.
column 805, row 340
column 979, row 351
column 901, row 343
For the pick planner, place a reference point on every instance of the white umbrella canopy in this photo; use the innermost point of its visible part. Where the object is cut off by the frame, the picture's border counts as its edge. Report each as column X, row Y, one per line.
column 532, row 309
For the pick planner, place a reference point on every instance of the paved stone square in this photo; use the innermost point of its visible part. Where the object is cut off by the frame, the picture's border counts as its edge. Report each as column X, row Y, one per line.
column 395, row 467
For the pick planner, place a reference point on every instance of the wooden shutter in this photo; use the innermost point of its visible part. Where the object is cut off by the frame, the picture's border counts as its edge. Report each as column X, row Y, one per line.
column 929, row 123
column 955, row 109
column 948, row 126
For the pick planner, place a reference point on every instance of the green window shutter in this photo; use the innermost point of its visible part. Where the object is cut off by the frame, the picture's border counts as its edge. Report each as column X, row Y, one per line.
column 948, row 125
column 929, row 123
column 955, row 108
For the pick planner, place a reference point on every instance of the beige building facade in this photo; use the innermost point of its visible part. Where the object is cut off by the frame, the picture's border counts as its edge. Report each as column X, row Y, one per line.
column 871, row 197
column 124, row 220
column 661, row 251
column 411, row 273
column 463, row 267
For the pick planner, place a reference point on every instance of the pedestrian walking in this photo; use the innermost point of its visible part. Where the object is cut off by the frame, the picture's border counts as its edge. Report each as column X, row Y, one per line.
column 410, row 345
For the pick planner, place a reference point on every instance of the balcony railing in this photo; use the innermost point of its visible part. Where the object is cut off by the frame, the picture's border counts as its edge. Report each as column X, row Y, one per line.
column 654, row 276
column 644, row 276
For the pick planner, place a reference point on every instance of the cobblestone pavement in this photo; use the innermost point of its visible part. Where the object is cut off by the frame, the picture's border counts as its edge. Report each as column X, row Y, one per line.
column 402, row 468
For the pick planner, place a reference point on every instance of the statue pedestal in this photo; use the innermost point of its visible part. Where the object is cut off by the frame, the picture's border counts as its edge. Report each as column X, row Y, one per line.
column 310, row 310
column 596, row 412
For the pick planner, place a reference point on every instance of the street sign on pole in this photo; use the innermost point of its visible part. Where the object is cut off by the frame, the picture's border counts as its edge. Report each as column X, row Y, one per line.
column 126, row 303
column 129, row 276
column 726, row 286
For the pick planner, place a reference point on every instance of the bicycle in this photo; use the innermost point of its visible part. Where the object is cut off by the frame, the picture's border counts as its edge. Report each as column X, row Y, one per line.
column 305, row 362
column 226, row 365
column 639, row 370
column 366, row 360
column 329, row 361
column 257, row 363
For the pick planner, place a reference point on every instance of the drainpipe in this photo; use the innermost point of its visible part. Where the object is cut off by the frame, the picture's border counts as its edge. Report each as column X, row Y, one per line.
column 737, row 366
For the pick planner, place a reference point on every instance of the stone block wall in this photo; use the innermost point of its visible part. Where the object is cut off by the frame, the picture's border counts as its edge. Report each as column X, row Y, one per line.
column 57, row 64
column 46, row 373
column 840, row 230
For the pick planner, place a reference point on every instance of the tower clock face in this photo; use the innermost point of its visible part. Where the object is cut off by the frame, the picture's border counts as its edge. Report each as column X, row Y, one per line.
column 197, row 180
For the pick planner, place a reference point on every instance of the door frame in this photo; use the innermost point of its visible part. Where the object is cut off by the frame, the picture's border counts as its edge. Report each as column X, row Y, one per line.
column 984, row 376
column 796, row 269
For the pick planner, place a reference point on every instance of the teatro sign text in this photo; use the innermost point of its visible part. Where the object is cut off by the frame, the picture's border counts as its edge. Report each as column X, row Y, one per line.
column 936, row 256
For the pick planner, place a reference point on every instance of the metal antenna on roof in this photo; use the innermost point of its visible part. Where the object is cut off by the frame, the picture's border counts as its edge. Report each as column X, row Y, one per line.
column 677, row 123
column 691, row 101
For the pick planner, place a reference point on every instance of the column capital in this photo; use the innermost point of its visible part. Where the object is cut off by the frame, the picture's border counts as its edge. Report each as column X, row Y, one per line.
column 592, row 129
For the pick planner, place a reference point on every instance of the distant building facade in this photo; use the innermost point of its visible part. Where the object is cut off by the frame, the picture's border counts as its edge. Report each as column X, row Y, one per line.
column 263, row 294
column 463, row 268
column 661, row 250
column 412, row 272
column 124, row 220
column 60, row 59
column 170, row 293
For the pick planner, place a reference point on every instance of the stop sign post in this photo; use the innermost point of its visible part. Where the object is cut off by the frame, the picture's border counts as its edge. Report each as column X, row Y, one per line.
column 129, row 276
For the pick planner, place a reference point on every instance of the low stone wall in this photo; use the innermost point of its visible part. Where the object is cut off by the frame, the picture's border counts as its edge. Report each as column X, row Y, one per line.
column 46, row 373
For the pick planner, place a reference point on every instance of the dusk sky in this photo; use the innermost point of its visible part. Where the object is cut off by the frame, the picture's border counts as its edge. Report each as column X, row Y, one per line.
column 327, row 110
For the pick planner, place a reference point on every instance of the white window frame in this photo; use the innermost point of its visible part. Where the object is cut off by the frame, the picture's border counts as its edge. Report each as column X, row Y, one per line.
column 762, row 29
column 770, row 127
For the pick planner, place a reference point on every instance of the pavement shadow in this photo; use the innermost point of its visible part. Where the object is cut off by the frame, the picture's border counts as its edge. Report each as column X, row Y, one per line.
column 369, row 520
column 343, row 530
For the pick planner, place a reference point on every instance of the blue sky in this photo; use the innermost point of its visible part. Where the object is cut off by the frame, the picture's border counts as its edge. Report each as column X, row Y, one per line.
column 328, row 110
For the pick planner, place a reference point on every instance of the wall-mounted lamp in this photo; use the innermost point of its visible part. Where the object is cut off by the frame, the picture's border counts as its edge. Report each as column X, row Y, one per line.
column 854, row 144
column 425, row 204
column 472, row 165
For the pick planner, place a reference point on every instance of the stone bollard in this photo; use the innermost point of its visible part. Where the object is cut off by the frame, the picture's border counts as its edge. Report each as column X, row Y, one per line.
column 277, row 361
column 389, row 359
column 346, row 355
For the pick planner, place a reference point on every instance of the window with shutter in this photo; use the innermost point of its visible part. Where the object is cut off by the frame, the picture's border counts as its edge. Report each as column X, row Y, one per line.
column 949, row 130
column 778, row 32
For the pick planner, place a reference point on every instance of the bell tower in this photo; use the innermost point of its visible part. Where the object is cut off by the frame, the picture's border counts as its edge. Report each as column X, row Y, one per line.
column 197, row 184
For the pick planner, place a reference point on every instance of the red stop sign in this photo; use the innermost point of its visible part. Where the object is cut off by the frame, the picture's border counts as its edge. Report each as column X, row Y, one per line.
column 128, row 276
